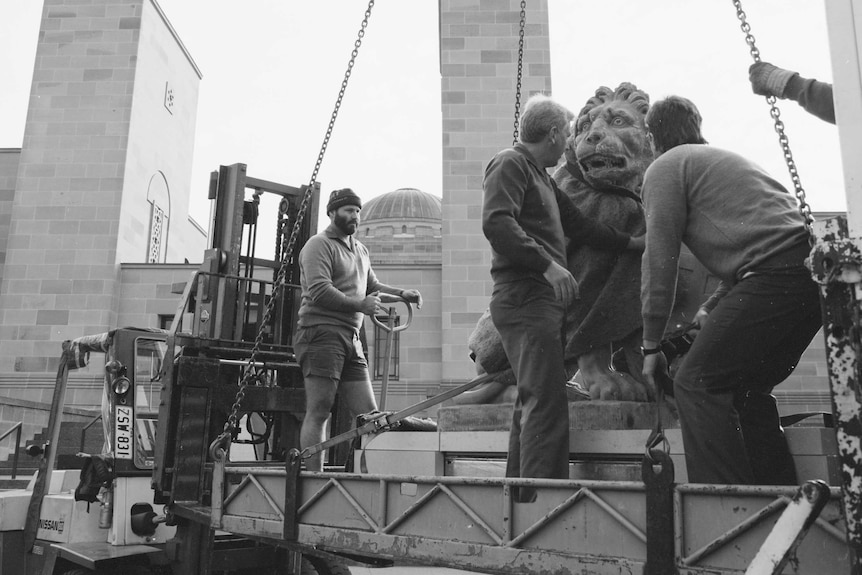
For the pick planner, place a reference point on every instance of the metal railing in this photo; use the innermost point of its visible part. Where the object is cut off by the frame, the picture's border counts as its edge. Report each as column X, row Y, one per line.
column 17, row 429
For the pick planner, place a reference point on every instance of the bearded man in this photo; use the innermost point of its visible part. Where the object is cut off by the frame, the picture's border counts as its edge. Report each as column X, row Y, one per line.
column 338, row 288
column 606, row 158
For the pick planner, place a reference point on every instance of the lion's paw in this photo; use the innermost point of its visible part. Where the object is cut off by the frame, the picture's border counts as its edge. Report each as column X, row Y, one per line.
column 615, row 385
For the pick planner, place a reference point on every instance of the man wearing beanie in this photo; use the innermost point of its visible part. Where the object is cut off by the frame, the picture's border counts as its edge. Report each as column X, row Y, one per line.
column 338, row 289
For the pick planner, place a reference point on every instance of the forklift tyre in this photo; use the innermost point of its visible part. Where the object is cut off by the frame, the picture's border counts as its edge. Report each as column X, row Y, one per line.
column 321, row 566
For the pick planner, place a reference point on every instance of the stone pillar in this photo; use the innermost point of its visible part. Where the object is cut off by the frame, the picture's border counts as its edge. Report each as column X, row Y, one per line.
column 60, row 274
column 85, row 174
column 478, row 61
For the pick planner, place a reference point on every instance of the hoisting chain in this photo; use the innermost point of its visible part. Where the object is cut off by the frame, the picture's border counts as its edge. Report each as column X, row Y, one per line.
column 249, row 373
column 804, row 208
column 520, row 72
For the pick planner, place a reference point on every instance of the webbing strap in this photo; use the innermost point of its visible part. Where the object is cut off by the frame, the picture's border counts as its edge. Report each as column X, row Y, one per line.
column 386, row 421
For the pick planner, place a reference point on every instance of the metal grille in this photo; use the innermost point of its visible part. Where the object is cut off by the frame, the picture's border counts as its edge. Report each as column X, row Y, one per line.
column 156, row 226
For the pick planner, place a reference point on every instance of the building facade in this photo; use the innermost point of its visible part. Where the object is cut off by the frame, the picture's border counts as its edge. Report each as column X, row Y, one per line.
column 403, row 233
column 102, row 179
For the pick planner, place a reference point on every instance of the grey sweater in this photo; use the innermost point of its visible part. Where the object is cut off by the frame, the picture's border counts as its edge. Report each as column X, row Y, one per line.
column 733, row 216
column 335, row 280
column 527, row 219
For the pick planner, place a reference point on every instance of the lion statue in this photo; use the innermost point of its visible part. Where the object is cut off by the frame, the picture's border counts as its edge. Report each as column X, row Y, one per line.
column 606, row 158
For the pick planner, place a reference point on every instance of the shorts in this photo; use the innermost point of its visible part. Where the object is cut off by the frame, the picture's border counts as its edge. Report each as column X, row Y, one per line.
column 331, row 351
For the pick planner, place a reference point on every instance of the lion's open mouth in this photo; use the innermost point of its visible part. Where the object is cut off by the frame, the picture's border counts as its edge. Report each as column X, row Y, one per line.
column 600, row 162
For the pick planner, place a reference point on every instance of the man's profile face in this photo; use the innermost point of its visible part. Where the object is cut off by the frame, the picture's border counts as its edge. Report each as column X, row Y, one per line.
column 562, row 135
column 346, row 219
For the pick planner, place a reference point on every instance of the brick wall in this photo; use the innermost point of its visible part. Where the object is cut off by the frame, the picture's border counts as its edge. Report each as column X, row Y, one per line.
column 80, row 179
column 478, row 66
column 8, row 176
column 60, row 272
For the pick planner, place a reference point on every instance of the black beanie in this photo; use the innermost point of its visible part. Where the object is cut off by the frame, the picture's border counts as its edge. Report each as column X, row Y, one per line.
column 342, row 197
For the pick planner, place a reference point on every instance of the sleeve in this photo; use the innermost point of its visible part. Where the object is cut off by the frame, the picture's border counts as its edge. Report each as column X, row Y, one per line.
column 374, row 285
column 665, row 206
column 315, row 262
column 716, row 296
column 505, row 184
column 584, row 231
column 814, row 97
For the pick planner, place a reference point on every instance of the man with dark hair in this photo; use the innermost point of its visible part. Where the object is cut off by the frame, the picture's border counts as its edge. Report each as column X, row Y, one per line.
column 815, row 97
column 338, row 289
column 746, row 229
column 524, row 218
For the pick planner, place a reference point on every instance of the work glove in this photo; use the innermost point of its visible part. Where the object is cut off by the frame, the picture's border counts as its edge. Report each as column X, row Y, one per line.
column 769, row 80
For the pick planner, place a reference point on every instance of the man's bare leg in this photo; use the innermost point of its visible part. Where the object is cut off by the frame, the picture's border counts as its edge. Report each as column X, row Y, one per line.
column 319, row 397
column 358, row 397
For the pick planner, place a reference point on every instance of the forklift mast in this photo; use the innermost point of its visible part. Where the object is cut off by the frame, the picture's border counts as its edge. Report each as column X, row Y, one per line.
column 232, row 309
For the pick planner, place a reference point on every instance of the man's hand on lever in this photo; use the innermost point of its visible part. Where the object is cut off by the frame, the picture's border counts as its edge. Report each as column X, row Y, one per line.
column 370, row 303
column 409, row 295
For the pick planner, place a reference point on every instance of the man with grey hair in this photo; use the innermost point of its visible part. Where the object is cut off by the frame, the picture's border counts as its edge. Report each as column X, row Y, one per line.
column 526, row 219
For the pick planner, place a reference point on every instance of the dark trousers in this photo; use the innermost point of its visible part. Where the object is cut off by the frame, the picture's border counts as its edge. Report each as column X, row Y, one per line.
column 751, row 342
column 530, row 320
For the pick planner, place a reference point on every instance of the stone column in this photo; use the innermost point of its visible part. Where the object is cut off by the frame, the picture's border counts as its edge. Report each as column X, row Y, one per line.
column 478, row 61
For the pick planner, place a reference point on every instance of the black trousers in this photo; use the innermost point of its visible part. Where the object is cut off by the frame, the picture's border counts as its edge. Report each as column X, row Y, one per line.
column 530, row 319
column 751, row 342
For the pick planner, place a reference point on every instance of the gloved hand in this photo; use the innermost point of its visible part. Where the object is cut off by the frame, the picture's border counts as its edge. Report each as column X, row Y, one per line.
column 769, row 80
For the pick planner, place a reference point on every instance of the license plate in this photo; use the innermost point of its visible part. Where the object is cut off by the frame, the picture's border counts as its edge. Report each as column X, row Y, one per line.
column 123, row 433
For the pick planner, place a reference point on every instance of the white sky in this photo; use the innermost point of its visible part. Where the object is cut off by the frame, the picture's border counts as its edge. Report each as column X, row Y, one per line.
column 272, row 70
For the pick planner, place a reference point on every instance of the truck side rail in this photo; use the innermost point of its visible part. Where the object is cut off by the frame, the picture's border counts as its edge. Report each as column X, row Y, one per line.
column 473, row 523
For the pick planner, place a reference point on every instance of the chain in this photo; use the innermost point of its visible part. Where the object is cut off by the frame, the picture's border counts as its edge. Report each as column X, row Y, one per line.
column 783, row 141
column 520, row 72
column 249, row 373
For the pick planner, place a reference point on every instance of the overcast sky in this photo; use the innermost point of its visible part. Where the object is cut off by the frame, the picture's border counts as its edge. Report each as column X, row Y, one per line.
column 272, row 70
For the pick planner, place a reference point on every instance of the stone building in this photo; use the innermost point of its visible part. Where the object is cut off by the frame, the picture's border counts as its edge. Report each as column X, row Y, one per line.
column 402, row 231
column 94, row 219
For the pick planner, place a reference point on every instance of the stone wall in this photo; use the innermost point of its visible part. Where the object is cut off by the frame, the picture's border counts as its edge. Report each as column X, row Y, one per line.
column 478, row 65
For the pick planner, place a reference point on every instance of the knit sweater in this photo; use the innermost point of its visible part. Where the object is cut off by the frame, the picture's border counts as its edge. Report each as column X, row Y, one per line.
column 526, row 218
column 335, row 280
column 815, row 97
column 733, row 216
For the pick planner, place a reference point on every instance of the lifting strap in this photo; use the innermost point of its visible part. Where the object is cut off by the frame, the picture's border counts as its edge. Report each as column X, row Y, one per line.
column 386, row 420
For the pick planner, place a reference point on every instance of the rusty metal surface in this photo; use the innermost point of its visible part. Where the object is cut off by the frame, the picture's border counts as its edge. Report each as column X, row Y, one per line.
column 790, row 529
column 472, row 523
column 721, row 528
column 836, row 264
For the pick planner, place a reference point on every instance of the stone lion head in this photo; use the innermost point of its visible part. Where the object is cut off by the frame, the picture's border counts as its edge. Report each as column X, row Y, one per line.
column 609, row 142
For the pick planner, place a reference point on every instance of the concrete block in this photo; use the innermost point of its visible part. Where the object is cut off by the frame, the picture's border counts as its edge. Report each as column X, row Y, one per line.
column 385, row 462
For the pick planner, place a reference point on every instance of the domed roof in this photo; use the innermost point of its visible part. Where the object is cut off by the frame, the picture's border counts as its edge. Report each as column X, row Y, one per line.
column 403, row 204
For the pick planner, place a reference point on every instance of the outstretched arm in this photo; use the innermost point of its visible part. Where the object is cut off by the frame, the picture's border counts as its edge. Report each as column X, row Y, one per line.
column 814, row 96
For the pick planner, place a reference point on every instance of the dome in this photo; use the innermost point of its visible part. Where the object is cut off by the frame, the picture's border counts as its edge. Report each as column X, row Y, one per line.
column 403, row 204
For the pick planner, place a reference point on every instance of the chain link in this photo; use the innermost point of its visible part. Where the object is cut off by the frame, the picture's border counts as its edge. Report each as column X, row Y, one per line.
column 250, row 372
column 783, row 141
column 520, row 72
